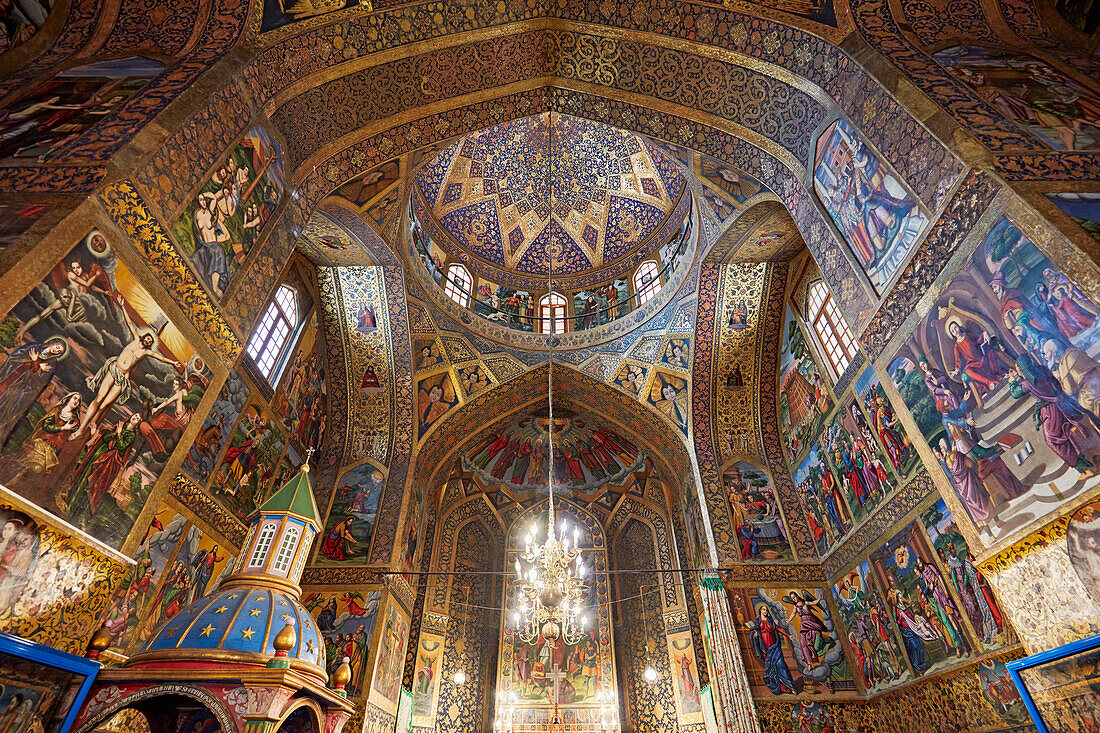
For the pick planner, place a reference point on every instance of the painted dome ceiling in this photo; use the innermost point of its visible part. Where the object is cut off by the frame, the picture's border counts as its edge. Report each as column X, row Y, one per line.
column 595, row 195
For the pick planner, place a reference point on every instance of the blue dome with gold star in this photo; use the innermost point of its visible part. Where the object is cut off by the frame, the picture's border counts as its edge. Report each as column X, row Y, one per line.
column 255, row 618
column 242, row 620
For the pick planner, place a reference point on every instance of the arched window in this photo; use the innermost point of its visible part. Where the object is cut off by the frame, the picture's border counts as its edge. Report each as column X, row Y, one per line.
column 263, row 544
column 458, row 285
column 286, row 550
column 830, row 327
column 647, row 282
column 552, row 313
column 271, row 338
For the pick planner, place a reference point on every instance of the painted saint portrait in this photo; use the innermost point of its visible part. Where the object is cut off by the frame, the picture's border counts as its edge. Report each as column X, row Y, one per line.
column 804, row 398
column 390, row 661
column 1058, row 110
column 755, row 513
column 350, row 524
column 877, row 214
column 668, row 394
column 1083, row 540
column 227, row 215
column 435, row 397
column 346, row 622
column 1001, row 378
column 96, row 388
column 48, row 120
column 1000, row 692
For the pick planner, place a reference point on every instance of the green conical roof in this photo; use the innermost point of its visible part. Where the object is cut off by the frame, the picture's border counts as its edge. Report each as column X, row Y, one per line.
column 296, row 497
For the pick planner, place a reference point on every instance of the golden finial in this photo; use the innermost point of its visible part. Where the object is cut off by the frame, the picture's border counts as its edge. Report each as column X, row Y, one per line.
column 99, row 642
column 341, row 677
column 309, row 455
column 285, row 640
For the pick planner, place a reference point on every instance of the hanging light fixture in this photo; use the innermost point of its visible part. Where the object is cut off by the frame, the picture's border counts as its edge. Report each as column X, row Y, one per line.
column 550, row 577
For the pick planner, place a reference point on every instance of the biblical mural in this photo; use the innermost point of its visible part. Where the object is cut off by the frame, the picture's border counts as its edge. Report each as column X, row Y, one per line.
column 250, row 461
column 1042, row 100
column 346, row 622
column 857, row 460
column 278, row 13
column 391, row 653
column 917, row 595
column 1081, row 14
column 970, row 586
column 587, row 455
column 826, row 508
column 793, row 643
column 883, row 423
column 1083, row 541
column 225, row 218
column 16, row 219
column 302, row 401
column 877, row 214
column 1000, row 692
column 681, row 653
column 21, row 20
column 48, row 119
column 426, row 676
column 217, row 428
column 1002, row 380
column 1083, row 208
column 140, row 582
column 96, row 389
column 755, row 513
column 871, row 631
column 804, row 398
column 351, row 518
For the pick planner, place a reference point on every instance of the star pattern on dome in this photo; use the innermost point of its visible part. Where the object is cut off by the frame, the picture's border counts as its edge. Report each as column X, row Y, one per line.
column 207, row 630
column 247, row 633
column 585, row 193
column 221, row 609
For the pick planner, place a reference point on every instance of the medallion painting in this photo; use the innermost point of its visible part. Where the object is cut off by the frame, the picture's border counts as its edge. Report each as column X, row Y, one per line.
column 43, row 123
column 96, row 389
column 225, row 218
column 435, row 397
column 346, row 622
column 669, row 395
column 587, row 455
column 804, row 398
column 929, row 619
column 21, row 20
column 350, row 524
column 1042, row 100
column 755, row 513
column 302, row 402
column 971, row 588
column 1002, row 380
column 250, row 462
column 871, row 631
column 877, row 214
column 792, row 643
